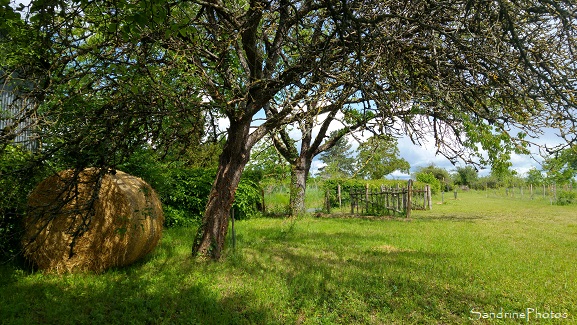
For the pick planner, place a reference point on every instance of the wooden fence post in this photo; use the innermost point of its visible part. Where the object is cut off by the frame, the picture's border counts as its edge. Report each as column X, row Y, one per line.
column 430, row 197
column 353, row 201
column 233, row 230
column 399, row 200
column 339, row 194
column 328, row 200
column 383, row 196
column 387, row 200
column 367, row 198
column 409, row 197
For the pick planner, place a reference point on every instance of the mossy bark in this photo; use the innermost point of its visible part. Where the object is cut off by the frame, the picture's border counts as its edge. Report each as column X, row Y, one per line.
column 211, row 235
column 299, row 174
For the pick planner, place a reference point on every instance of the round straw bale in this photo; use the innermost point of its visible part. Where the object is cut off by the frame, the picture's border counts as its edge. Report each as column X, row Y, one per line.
column 91, row 221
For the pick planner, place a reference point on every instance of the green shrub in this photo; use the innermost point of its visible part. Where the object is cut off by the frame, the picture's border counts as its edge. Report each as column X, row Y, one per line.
column 184, row 191
column 429, row 178
column 248, row 199
column 17, row 178
column 566, row 198
column 187, row 193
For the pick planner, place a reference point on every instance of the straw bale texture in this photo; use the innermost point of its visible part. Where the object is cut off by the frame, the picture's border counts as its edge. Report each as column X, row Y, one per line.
column 73, row 227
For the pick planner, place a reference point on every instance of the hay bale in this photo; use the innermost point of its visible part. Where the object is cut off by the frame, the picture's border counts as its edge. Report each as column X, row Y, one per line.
column 73, row 227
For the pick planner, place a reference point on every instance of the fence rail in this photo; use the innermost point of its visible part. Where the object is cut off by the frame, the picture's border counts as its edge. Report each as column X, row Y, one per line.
column 386, row 200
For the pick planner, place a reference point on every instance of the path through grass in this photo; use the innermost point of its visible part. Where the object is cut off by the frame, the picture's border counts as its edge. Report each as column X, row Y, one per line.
column 463, row 260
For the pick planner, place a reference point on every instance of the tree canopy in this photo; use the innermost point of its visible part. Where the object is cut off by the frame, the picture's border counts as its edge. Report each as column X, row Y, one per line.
column 110, row 76
column 466, row 175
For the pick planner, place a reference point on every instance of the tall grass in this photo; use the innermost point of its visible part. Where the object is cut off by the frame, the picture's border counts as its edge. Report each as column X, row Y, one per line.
column 465, row 259
column 277, row 198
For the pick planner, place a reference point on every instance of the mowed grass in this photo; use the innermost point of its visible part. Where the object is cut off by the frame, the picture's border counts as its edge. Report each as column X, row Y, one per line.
column 463, row 260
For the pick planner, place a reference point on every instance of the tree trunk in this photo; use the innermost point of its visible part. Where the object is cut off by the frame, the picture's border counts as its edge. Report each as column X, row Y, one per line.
column 299, row 175
column 211, row 235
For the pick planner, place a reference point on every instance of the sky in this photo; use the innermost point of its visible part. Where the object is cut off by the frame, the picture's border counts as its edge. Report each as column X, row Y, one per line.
column 425, row 155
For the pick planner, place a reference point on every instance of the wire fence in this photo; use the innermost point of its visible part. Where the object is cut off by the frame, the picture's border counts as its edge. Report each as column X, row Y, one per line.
column 549, row 192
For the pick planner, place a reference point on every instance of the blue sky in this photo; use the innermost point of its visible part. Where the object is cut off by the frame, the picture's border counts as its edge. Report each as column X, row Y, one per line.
column 425, row 155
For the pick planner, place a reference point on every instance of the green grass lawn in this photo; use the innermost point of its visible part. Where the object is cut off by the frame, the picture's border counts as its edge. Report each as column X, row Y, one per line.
column 463, row 260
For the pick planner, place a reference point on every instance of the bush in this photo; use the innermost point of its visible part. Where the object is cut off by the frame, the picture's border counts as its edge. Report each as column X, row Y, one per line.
column 17, row 179
column 430, row 179
column 566, row 198
column 186, row 195
column 248, row 199
column 184, row 191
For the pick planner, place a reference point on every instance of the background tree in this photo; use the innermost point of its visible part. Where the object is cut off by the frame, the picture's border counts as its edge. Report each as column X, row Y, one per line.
column 489, row 181
column 507, row 178
column 534, row 177
column 440, row 174
column 267, row 162
column 561, row 167
column 429, row 178
column 314, row 139
column 379, row 157
column 339, row 161
column 465, row 176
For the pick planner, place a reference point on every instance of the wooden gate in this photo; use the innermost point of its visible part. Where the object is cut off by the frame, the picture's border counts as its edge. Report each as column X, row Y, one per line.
column 389, row 200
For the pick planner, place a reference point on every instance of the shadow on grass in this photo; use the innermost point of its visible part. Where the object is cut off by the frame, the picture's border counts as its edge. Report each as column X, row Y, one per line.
column 456, row 217
column 161, row 289
column 351, row 283
column 289, row 274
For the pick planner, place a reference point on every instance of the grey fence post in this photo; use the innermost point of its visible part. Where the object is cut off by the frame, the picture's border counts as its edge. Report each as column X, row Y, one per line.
column 409, row 197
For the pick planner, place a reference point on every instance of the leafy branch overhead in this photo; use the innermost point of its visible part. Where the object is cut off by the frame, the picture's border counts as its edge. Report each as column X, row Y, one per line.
column 108, row 77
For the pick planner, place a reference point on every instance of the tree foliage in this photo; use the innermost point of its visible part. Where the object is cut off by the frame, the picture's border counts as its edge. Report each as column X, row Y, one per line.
column 466, row 176
column 339, row 160
column 111, row 76
column 15, row 184
column 184, row 188
column 429, row 178
column 561, row 168
column 267, row 162
column 535, row 177
column 378, row 157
